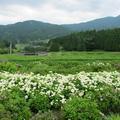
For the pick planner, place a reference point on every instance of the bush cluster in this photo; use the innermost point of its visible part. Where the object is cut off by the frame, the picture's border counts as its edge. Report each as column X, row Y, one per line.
column 83, row 96
column 81, row 109
column 7, row 66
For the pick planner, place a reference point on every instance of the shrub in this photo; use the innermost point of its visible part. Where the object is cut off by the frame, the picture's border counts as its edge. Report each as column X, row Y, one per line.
column 99, row 66
column 114, row 117
column 39, row 103
column 44, row 116
column 81, row 109
column 7, row 66
column 15, row 104
column 40, row 68
column 4, row 51
column 4, row 115
column 107, row 99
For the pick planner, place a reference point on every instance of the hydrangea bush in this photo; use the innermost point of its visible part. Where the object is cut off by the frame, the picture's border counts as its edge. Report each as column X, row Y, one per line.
column 58, row 88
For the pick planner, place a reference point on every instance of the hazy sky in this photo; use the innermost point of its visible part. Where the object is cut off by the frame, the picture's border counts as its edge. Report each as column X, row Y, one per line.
column 57, row 11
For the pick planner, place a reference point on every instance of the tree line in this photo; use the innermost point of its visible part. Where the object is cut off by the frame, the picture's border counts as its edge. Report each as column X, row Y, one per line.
column 106, row 40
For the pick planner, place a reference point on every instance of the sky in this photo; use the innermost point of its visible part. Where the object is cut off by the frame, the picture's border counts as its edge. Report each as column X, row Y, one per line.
column 57, row 11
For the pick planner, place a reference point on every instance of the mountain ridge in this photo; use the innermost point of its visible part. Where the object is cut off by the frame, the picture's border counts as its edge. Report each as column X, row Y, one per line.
column 118, row 16
column 33, row 30
column 98, row 24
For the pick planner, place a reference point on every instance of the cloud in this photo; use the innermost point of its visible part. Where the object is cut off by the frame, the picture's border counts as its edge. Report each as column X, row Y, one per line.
column 56, row 11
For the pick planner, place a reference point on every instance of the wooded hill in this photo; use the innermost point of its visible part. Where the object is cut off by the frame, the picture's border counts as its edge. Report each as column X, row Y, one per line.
column 28, row 32
column 24, row 32
column 36, row 31
column 107, row 40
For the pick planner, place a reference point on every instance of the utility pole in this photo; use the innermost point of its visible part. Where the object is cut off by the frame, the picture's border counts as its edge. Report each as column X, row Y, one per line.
column 11, row 47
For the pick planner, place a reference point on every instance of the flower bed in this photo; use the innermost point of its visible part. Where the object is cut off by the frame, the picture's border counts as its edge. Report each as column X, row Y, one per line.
column 96, row 86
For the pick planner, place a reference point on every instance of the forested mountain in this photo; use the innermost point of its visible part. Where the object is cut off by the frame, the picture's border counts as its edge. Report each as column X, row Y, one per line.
column 107, row 40
column 27, row 31
column 31, row 31
column 98, row 24
column 36, row 30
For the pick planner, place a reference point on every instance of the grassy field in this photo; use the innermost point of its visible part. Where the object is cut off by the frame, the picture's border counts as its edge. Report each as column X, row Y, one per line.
column 64, row 62
column 75, row 56
column 49, row 95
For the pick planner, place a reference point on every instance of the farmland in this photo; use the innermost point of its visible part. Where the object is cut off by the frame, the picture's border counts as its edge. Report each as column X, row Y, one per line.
column 60, row 85
column 63, row 62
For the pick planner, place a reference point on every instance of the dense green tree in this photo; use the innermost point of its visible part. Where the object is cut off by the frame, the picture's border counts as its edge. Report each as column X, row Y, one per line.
column 54, row 47
column 107, row 40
